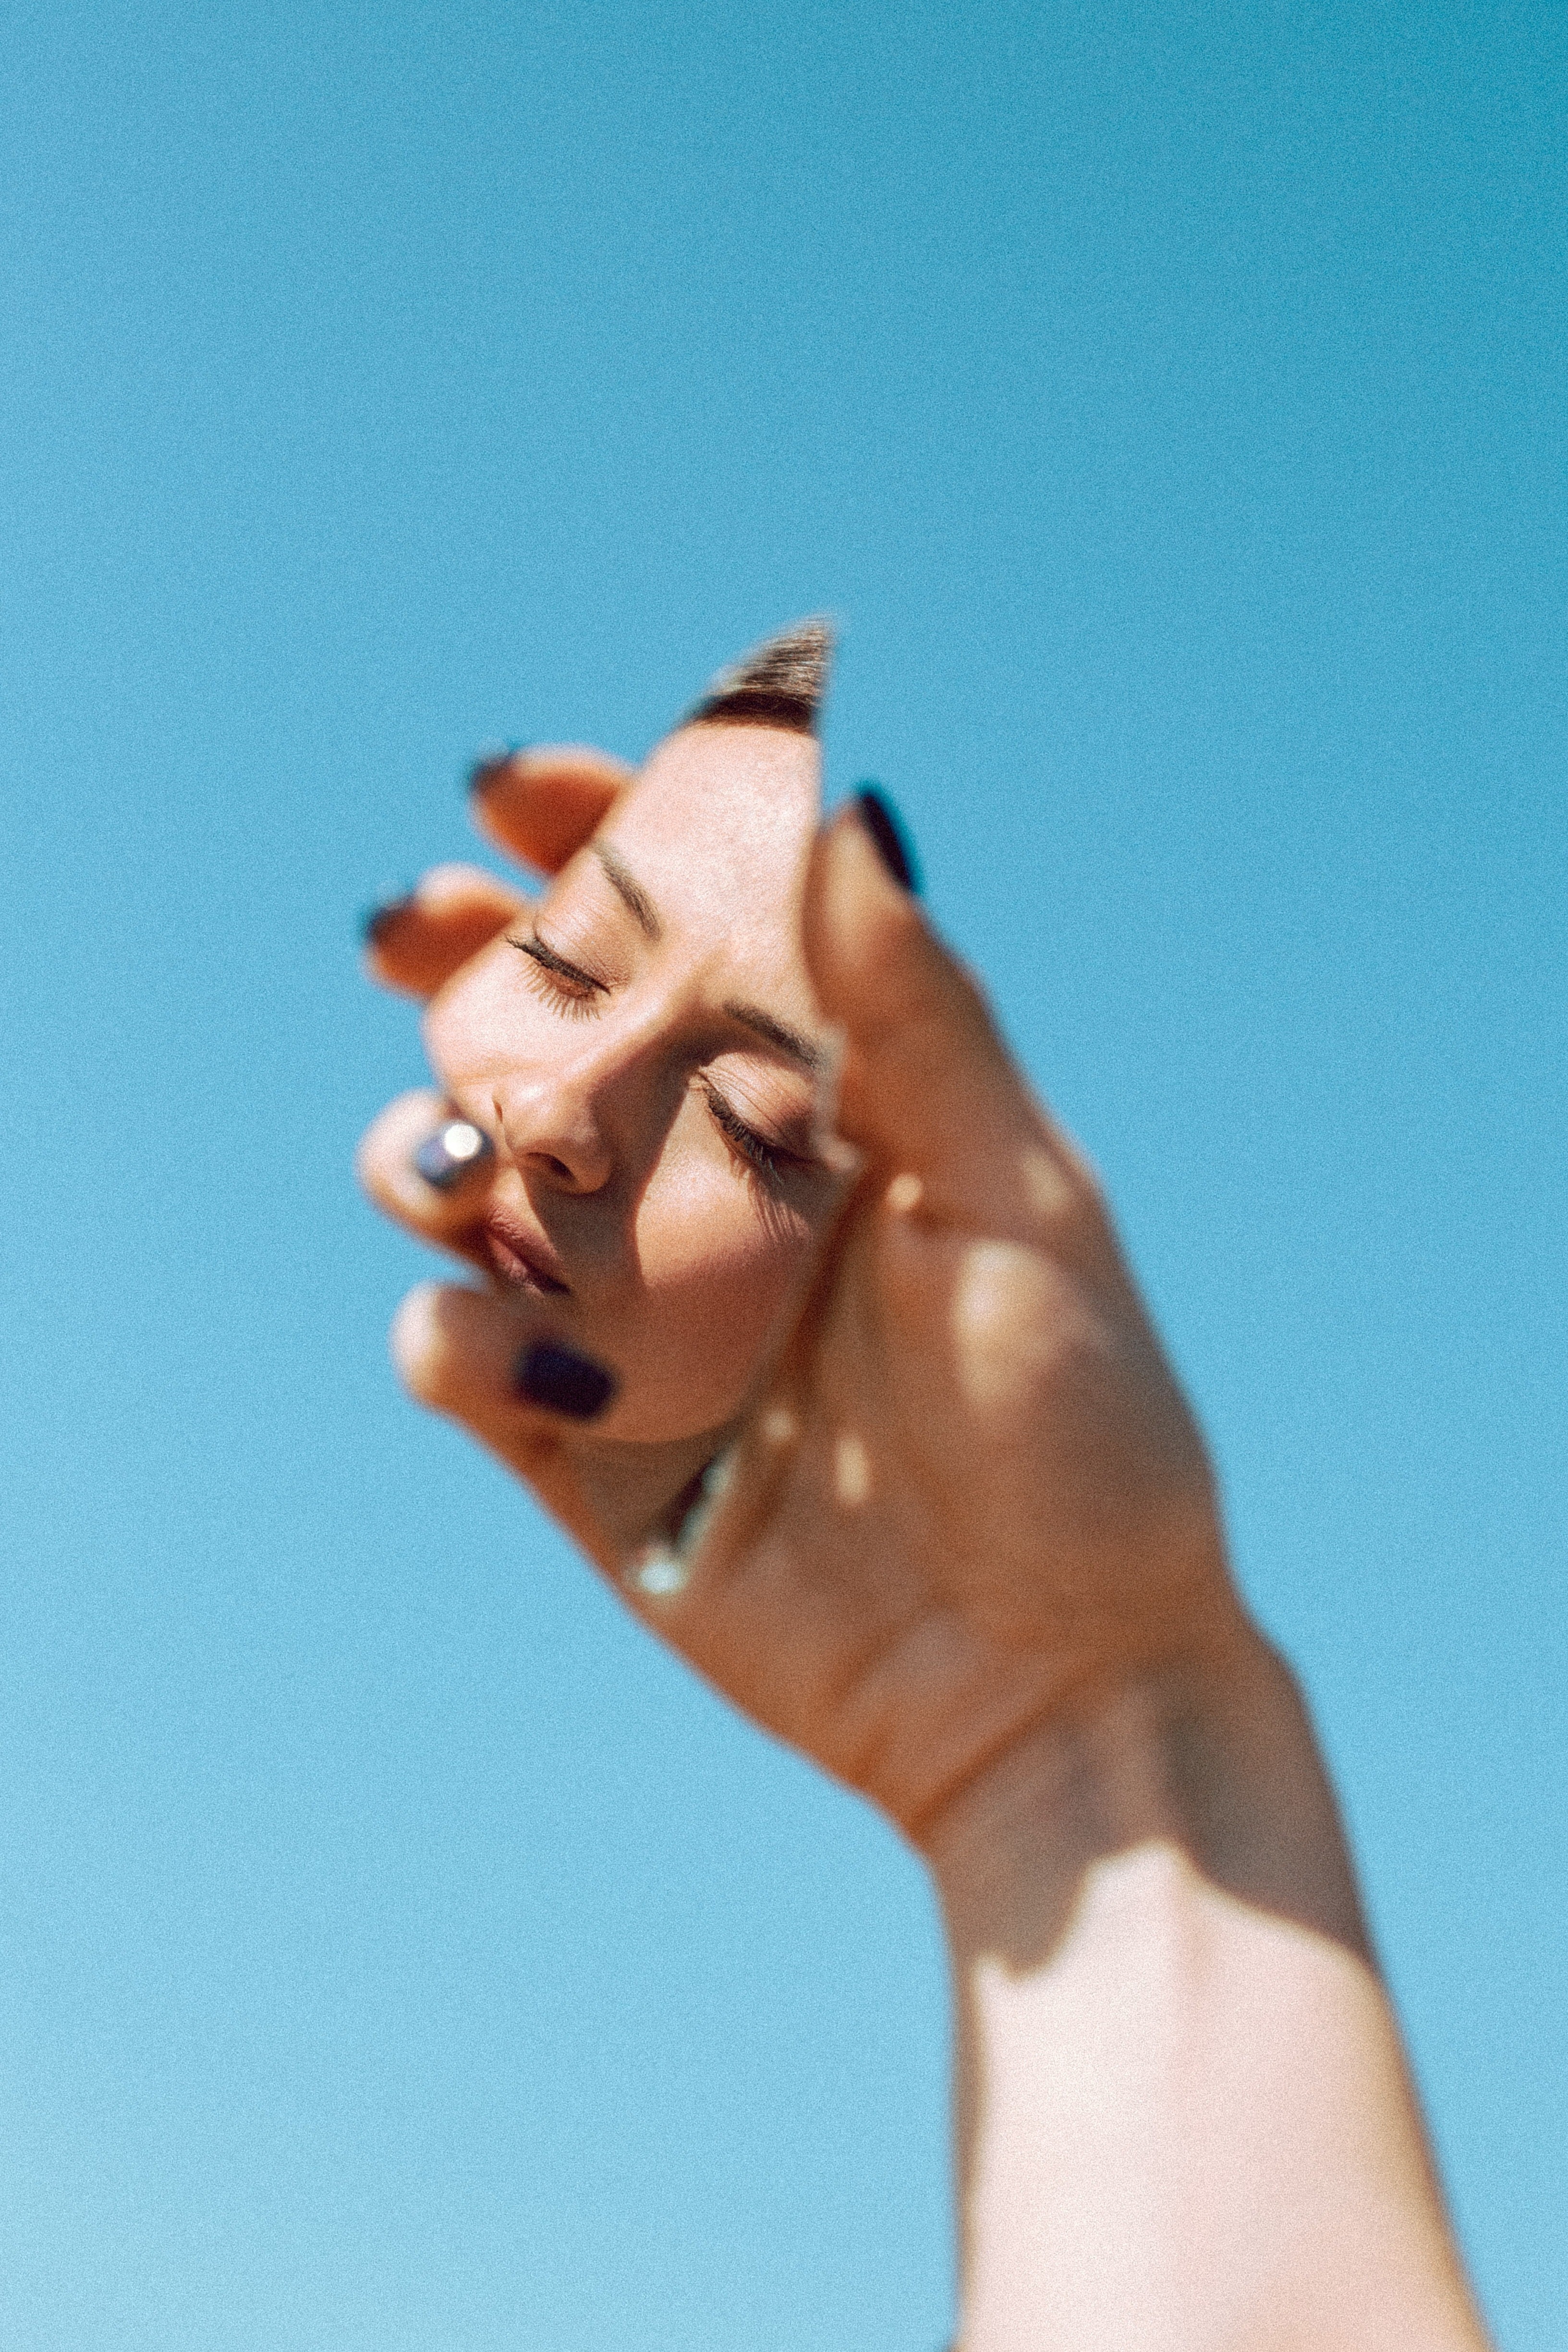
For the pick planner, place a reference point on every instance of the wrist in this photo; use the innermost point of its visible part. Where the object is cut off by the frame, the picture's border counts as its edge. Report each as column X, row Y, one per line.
column 1213, row 1758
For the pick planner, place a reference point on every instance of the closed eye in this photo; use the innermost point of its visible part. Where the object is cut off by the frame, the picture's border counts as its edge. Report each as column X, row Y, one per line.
column 768, row 1159
column 571, row 990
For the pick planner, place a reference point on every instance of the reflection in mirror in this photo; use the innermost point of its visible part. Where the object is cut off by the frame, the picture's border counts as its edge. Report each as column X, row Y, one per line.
column 642, row 1051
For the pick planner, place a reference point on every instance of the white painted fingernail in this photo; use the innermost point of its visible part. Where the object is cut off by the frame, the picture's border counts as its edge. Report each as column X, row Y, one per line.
column 656, row 1571
column 719, row 1475
column 664, row 1564
column 694, row 1525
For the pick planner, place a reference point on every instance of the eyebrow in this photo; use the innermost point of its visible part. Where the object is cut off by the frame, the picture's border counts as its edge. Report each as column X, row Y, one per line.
column 627, row 887
column 750, row 1016
column 788, row 1041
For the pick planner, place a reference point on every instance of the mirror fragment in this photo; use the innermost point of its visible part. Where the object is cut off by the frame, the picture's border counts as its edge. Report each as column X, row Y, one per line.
column 666, row 1169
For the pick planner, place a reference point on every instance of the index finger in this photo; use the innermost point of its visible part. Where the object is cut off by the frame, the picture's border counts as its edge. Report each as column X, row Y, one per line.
column 927, row 1087
column 542, row 802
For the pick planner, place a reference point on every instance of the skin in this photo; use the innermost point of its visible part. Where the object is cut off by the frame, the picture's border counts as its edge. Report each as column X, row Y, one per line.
column 638, row 1049
column 970, row 1560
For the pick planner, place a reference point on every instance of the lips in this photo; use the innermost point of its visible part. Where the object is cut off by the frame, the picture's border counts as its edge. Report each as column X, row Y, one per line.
column 520, row 1257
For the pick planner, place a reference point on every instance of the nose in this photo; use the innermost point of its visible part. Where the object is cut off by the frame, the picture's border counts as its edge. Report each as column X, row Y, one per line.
column 570, row 1123
column 554, row 1132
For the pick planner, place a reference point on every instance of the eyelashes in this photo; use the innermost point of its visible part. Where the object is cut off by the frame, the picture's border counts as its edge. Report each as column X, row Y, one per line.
column 767, row 1158
column 570, row 990
column 576, row 994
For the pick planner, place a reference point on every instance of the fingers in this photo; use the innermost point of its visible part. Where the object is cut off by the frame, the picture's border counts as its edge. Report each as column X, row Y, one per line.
column 454, row 1349
column 541, row 803
column 417, row 943
column 928, row 1089
column 408, row 1163
column 468, row 1354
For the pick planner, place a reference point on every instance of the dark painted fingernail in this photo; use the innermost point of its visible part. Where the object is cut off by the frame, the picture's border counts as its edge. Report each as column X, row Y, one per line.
column 882, row 821
column 565, row 1381
column 377, row 920
column 490, row 763
column 454, row 1150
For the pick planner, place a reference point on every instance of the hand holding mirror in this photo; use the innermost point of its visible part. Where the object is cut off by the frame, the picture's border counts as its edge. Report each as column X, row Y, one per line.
column 967, row 1551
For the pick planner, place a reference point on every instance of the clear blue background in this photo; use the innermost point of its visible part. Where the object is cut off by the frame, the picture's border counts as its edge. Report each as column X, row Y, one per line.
column 400, row 1954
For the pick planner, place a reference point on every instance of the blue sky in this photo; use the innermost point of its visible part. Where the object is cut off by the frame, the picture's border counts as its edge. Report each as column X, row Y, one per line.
column 398, row 1951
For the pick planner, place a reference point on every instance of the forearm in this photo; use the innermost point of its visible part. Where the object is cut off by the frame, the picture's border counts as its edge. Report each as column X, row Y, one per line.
column 1184, row 2117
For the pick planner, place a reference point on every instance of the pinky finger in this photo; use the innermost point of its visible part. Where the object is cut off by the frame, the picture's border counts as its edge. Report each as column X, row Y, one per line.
column 456, row 1350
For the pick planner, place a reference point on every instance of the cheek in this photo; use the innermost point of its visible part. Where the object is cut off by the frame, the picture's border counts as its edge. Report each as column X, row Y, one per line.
column 716, row 1263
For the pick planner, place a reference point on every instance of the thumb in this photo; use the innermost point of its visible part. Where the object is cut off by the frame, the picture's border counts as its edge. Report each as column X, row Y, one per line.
column 928, row 1089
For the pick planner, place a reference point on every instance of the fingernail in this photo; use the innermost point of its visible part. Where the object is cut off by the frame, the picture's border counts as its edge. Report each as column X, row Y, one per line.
column 454, row 1150
column 657, row 1570
column 697, row 1506
column 882, row 821
column 377, row 920
column 563, row 1381
column 490, row 763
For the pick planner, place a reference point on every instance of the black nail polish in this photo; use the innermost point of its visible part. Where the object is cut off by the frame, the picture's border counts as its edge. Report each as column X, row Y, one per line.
column 377, row 920
column 563, row 1380
column 454, row 1151
column 488, row 764
column 882, row 821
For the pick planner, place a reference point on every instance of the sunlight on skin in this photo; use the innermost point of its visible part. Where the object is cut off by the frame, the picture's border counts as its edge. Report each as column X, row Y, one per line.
column 968, row 1557
column 639, row 1053
column 675, row 1252
column 615, row 1179
column 851, row 1471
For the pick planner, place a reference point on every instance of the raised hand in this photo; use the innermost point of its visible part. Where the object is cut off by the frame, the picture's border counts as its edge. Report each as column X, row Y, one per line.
column 973, row 1495
column 963, row 1548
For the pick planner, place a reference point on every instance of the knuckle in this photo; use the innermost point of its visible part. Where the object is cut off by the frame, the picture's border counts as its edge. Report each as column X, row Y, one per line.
column 415, row 1342
column 442, row 886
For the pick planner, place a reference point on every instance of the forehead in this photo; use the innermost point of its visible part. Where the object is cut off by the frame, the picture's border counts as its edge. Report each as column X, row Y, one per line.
column 716, row 830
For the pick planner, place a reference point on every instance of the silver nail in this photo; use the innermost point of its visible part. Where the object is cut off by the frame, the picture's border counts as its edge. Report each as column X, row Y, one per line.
column 454, row 1151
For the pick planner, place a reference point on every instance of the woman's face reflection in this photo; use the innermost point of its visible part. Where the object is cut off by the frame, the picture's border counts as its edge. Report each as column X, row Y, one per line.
column 642, row 1056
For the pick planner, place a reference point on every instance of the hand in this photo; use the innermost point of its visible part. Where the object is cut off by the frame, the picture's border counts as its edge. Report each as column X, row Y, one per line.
column 969, row 1557
column 967, row 1552
column 973, row 1498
